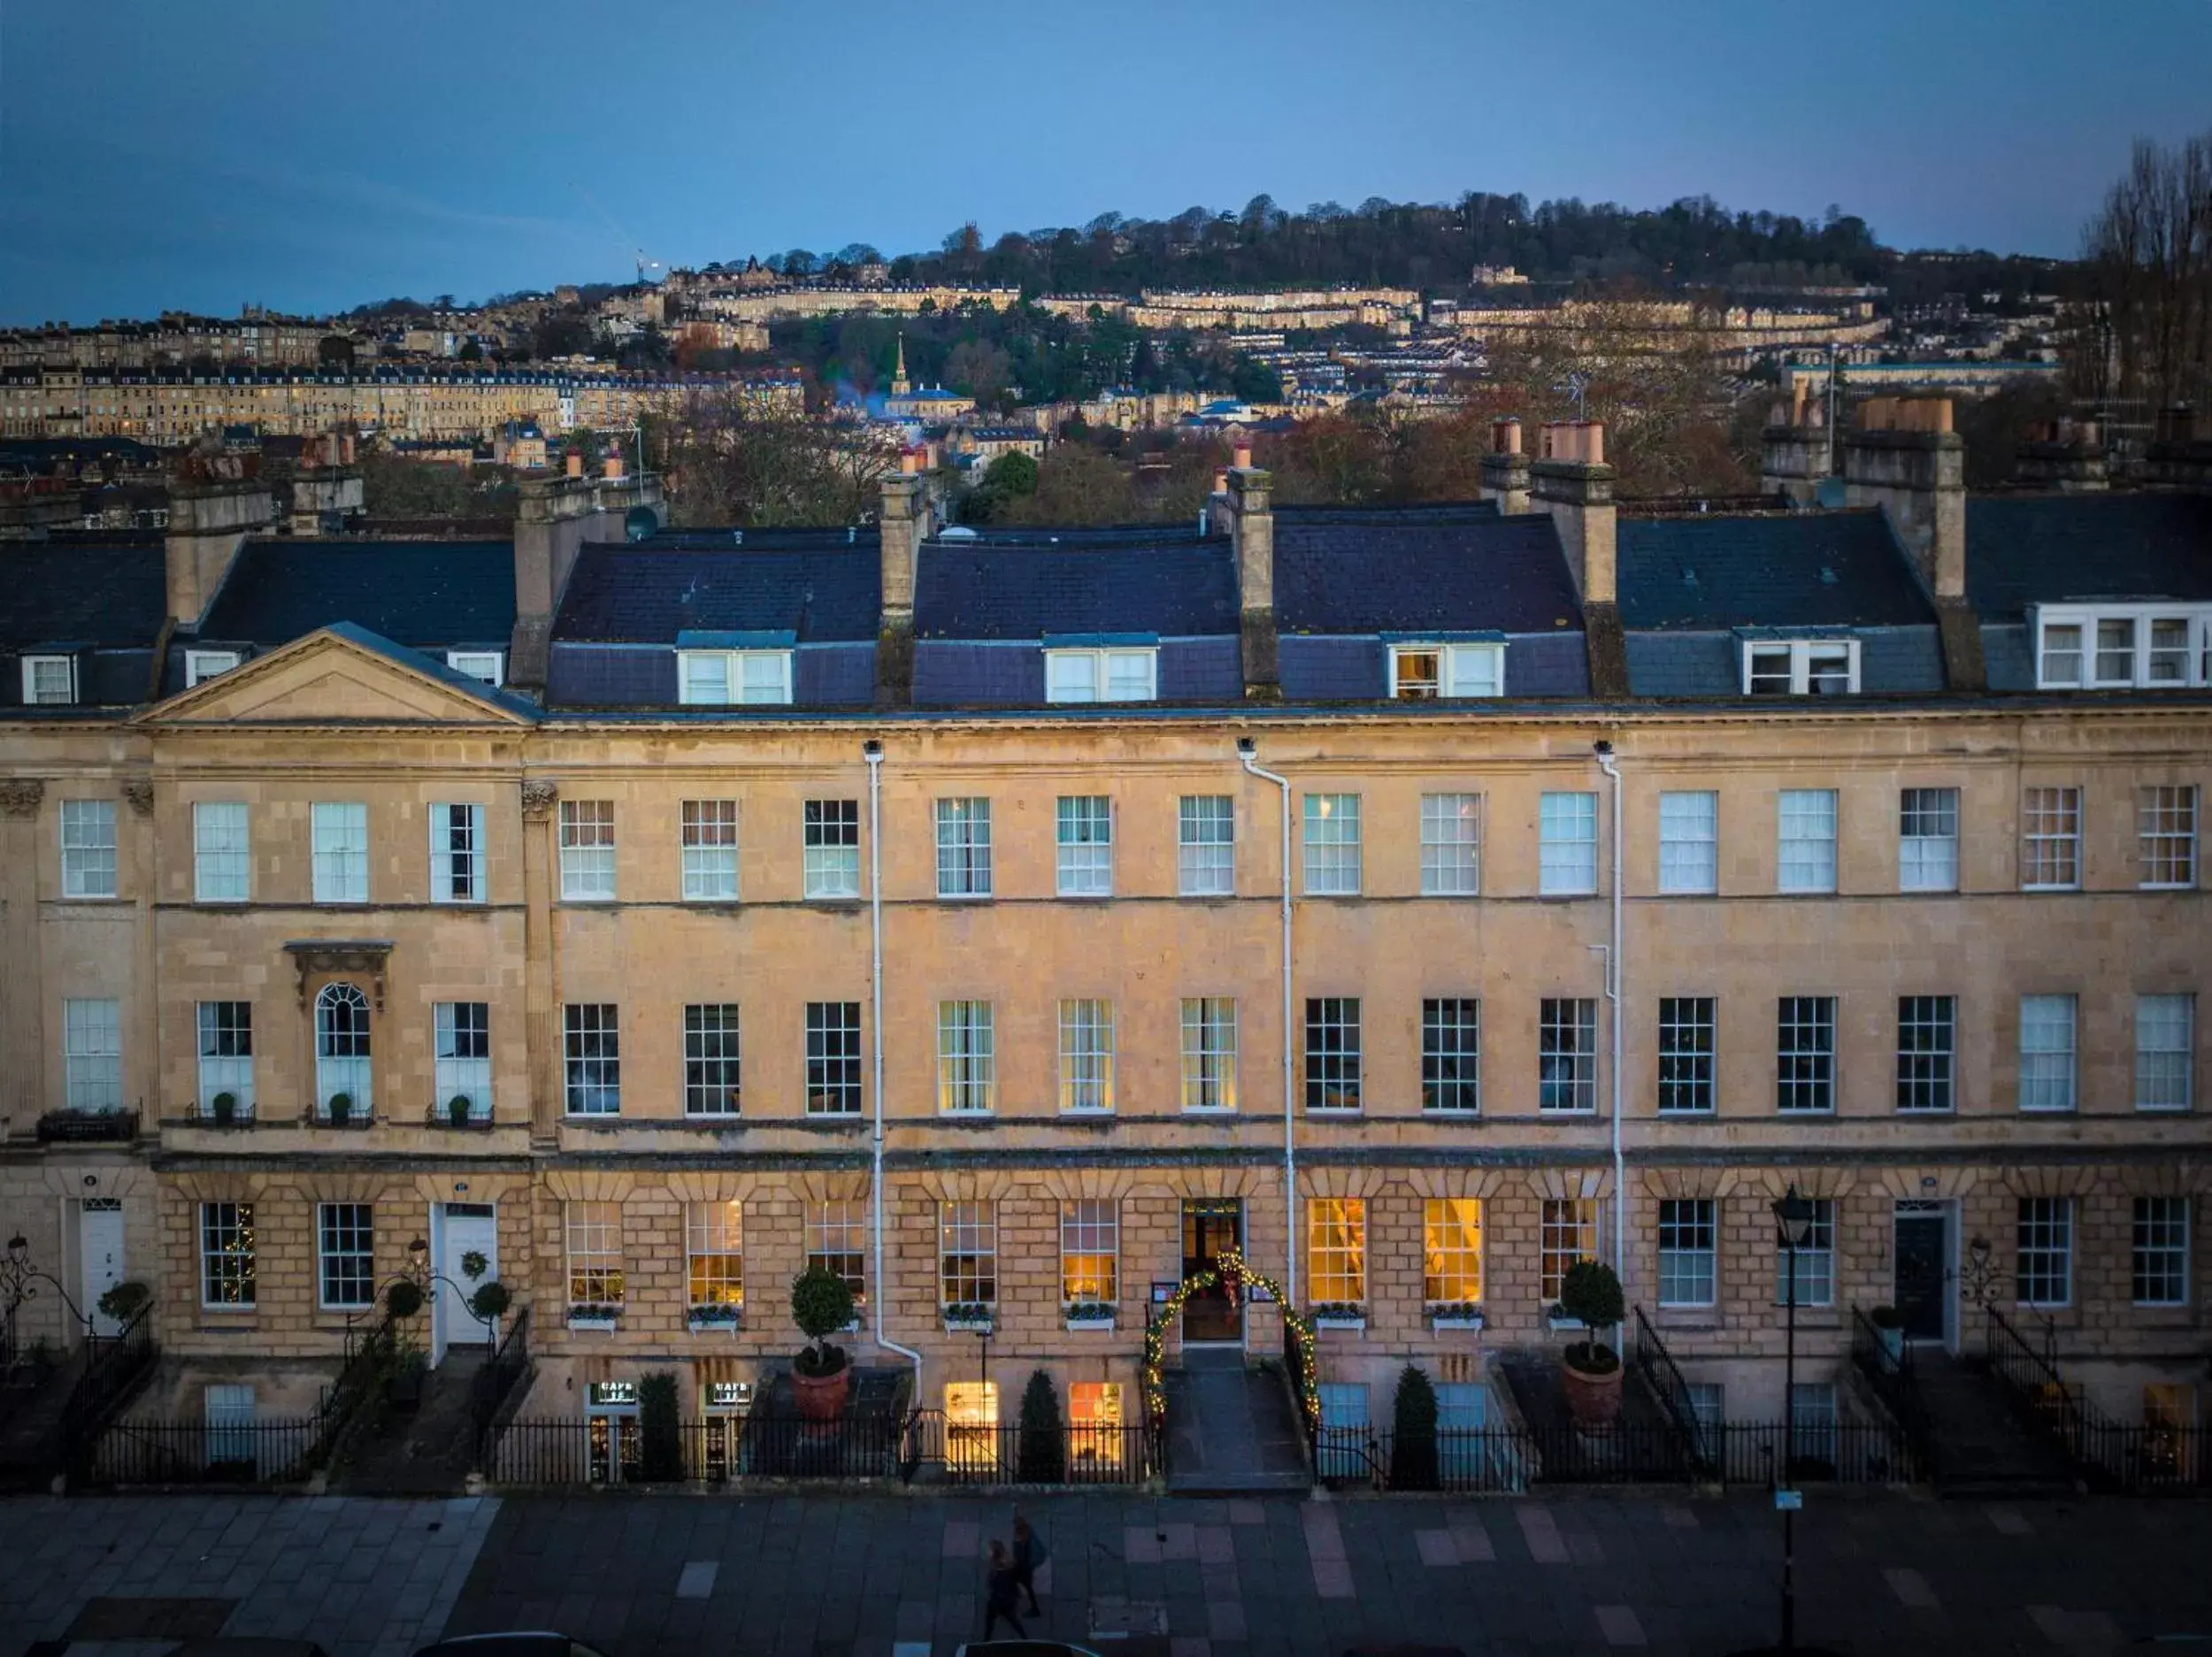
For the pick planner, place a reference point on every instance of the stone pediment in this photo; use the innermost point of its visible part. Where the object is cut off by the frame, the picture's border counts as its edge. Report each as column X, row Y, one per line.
column 339, row 676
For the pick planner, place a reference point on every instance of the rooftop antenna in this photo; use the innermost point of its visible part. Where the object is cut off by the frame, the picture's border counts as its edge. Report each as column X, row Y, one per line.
column 1575, row 386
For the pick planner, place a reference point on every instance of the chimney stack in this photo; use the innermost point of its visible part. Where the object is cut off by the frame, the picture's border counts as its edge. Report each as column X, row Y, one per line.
column 1505, row 468
column 1252, row 535
column 2179, row 456
column 2063, row 455
column 1571, row 481
column 208, row 525
column 554, row 517
column 1796, row 449
column 1906, row 459
column 900, row 527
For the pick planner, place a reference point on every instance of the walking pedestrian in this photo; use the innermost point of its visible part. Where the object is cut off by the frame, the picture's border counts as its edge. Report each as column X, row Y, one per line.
column 1029, row 1552
column 998, row 1601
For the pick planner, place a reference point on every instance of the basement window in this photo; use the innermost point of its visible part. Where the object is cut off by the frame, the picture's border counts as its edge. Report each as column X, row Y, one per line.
column 1425, row 672
column 720, row 678
column 1800, row 667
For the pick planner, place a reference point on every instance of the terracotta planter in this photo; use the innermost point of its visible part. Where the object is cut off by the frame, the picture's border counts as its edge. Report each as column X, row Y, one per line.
column 821, row 1397
column 1593, row 1401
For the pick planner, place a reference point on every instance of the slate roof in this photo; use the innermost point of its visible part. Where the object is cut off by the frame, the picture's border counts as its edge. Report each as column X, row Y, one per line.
column 78, row 593
column 2024, row 549
column 980, row 589
column 1413, row 571
column 435, row 667
column 412, row 592
column 1796, row 569
column 648, row 594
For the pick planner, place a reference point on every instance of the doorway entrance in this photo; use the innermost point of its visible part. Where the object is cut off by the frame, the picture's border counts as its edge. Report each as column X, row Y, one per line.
column 1211, row 1227
column 1921, row 1257
column 100, row 1248
column 460, row 1232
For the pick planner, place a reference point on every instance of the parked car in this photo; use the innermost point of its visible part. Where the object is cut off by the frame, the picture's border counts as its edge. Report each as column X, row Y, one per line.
column 537, row 1643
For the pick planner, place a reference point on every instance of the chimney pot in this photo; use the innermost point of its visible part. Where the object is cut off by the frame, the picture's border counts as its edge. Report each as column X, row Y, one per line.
column 575, row 464
column 1241, row 456
column 1505, row 435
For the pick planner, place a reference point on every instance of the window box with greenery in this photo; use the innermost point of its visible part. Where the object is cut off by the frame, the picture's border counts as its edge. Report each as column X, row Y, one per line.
column 821, row 1377
column 1590, row 1372
column 1087, row 1314
column 1455, row 1315
column 461, row 1111
column 593, row 1315
column 223, row 1111
column 717, row 1318
column 968, row 1317
column 1339, row 1315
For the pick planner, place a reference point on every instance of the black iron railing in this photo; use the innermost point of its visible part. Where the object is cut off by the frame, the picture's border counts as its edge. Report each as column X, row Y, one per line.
column 57, row 1127
column 205, row 1453
column 1660, row 1372
column 615, row 1450
column 2037, row 1388
column 115, row 1365
column 1884, row 1358
column 476, row 1118
column 2153, row 1458
column 497, row 1387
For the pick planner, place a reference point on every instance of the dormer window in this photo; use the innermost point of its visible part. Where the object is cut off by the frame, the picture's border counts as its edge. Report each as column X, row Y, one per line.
column 709, row 679
column 1111, row 674
column 488, row 665
column 1800, row 667
column 203, row 664
column 2123, row 647
column 1426, row 673
column 50, row 682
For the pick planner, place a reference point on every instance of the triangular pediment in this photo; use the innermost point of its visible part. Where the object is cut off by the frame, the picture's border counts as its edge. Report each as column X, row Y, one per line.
column 342, row 677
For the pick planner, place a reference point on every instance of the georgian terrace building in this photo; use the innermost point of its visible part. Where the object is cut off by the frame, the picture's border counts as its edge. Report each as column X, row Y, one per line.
column 1418, row 900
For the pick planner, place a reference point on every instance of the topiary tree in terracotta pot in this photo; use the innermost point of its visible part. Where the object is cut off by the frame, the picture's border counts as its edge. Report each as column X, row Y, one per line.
column 821, row 1305
column 1589, row 1370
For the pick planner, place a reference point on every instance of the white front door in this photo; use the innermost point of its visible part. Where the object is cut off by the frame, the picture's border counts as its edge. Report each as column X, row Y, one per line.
column 100, row 1247
column 465, row 1230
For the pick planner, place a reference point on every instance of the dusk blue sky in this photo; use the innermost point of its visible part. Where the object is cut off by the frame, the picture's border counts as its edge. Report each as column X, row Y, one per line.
column 310, row 156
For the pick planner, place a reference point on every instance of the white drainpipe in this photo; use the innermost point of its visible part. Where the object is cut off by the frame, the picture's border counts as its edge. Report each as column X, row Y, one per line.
column 872, row 751
column 1614, row 970
column 1290, row 1108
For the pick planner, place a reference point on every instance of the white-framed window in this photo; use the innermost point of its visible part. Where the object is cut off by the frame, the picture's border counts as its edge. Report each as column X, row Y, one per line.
column 1566, row 1055
column 87, row 848
column 1451, row 1250
column 587, row 851
column 1083, row 839
column 2165, row 1051
column 462, row 1032
column 1567, row 831
column 1928, row 839
column 1332, row 845
column 1689, row 841
column 345, row 1255
column 1126, row 673
column 1805, row 1054
column 488, row 665
column 1687, row 1026
column 456, row 854
column 708, row 833
column 1423, row 673
column 591, row 1034
column 2044, row 1254
column 1206, row 845
column 1086, row 1055
column 837, row 1241
column 1336, row 1250
column 92, row 1054
column 1805, row 841
column 1090, row 1250
column 1688, row 1252
column 205, row 664
column 593, row 1229
column 967, row 1253
column 2138, row 646
column 1451, row 845
column 1800, row 667
column 965, row 1057
column 712, row 1071
column 831, row 848
column 2047, row 1052
column 714, row 1252
column 227, row 1255
column 1816, row 1259
column 720, row 678
column 1333, row 1053
column 2159, row 1270
column 225, row 1052
column 1209, row 1052
column 963, row 848
column 1927, row 1053
column 2166, row 833
column 1567, row 1231
column 340, row 830
column 222, row 852
column 343, row 1058
column 832, row 1059
column 2050, row 839
column 1451, row 1053
column 50, row 682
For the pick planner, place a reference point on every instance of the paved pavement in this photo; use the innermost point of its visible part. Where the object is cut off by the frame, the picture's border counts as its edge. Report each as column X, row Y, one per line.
column 819, row 1575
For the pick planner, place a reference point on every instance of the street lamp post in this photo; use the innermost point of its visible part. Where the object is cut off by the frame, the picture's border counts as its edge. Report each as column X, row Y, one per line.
column 1794, row 1222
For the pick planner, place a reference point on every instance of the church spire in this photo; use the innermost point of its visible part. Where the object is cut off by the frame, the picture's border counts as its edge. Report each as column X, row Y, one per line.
column 899, row 385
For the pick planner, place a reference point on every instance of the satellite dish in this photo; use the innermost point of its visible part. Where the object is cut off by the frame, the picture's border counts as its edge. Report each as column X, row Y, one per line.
column 640, row 523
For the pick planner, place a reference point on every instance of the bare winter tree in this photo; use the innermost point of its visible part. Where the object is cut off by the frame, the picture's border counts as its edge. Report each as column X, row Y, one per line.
column 2148, row 331
column 729, row 458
